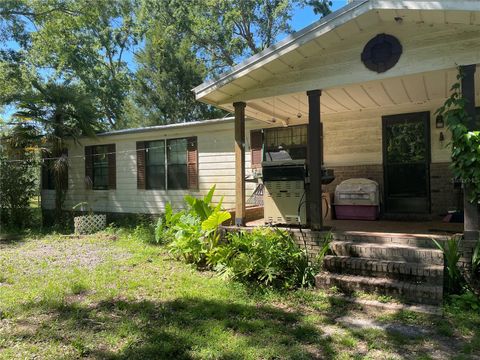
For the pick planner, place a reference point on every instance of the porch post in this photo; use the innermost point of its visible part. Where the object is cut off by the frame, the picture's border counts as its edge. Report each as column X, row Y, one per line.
column 239, row 163
column 471, row 211
column 315, row 157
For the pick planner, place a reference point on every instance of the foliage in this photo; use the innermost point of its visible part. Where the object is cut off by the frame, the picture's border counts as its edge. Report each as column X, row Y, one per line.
column 476, row 260
column 466, row 301
column 267, row 256
column 143, row 232
column 46, row 116
column 451, row 251
column 168, row 54
column 192, row 234
column 74, row 41
column 18, row 185
column 465, row 144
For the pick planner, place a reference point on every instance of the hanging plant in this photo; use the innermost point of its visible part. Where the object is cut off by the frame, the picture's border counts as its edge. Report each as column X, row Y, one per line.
column 465, row 144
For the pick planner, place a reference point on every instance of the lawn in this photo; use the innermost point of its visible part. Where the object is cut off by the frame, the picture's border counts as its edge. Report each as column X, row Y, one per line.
column 112, row 296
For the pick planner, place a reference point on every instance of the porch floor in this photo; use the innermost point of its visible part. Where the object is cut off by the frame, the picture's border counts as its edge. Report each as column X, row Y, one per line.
column 413, row 228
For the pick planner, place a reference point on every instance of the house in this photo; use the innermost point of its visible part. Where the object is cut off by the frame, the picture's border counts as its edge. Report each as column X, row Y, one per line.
column 356, row 92
column 137, row 171
column 367, row 80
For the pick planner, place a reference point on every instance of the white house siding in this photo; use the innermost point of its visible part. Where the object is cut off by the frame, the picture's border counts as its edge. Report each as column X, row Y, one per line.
column 351, row 139
column 355, row 138
column 216, row 166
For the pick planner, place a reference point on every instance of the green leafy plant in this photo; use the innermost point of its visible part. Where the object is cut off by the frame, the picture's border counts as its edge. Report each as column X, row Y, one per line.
column 192, row 234
column 452, row 254
column 466, row 301
column 267, row 256
column 465, row 144
column 476, row 259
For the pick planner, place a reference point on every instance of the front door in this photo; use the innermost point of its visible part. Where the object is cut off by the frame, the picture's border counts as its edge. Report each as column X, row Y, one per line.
column 406, row 159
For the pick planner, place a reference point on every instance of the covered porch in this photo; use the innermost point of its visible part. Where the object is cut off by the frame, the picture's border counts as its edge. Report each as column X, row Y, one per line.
column 342, row 76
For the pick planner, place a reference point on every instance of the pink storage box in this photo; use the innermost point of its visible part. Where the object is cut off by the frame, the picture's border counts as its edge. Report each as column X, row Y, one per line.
column 356, row 212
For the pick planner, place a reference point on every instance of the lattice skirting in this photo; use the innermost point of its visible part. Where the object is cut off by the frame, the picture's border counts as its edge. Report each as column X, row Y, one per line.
column 89, row 224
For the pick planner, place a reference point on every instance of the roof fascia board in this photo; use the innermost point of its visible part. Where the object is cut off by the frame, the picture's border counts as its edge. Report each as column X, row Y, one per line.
column 312, row 31
column 459, row 5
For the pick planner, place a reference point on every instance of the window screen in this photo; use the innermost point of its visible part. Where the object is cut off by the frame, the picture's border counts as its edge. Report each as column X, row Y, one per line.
column 177, row 164
column 286, row 143
column 100, row 167
column 155, row 164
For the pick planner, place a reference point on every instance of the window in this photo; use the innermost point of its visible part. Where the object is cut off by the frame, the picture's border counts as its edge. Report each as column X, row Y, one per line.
column 167, row 164
column 286, row 143
column 100, row 167
column 177, row 164
column 155, row 164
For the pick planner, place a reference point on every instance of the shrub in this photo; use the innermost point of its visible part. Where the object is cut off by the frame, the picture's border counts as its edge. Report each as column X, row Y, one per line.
column 18, row 185
column 267, row 256
column 451, row 251
column 192, row 234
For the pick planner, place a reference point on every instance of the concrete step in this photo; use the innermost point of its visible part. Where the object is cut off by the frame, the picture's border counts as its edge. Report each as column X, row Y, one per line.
column 393, row 252
column 401, row 290
column 387, row 238
column 399, row 270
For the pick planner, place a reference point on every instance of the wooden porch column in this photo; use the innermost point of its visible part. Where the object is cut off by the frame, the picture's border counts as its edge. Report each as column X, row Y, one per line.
column 239, row 163
column 471, row 227
column 315, row 156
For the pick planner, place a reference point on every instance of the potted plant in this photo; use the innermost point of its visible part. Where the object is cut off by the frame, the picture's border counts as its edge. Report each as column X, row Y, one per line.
column 89, row 223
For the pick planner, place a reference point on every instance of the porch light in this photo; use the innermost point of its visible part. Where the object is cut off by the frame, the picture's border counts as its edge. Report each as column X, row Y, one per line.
column 439, row 123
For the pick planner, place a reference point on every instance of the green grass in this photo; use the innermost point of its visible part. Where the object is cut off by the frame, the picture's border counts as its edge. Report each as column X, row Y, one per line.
column 64, row 297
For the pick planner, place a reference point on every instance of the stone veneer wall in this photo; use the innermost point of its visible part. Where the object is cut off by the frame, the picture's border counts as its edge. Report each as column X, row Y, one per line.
column 444, row 196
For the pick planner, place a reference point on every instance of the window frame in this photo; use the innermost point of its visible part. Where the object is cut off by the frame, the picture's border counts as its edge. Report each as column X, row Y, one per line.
column 167, row 163
column 267, row 149
column 105, row 167
column 147, row 166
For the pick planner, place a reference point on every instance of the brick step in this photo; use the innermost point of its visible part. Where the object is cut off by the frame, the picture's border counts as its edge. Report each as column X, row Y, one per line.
column 392, row 252
column 399, row 270
column 401, row 290
column 380, row 238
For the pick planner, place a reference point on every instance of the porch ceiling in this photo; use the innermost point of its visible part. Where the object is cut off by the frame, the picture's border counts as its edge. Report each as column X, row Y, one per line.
column 435, row 35
column 292, row 109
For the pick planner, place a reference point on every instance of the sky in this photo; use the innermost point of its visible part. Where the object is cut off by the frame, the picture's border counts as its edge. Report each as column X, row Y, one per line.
column 302, row 17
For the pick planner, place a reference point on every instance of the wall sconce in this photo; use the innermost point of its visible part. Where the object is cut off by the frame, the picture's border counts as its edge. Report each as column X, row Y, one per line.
column 439, row 123
column 442, row 137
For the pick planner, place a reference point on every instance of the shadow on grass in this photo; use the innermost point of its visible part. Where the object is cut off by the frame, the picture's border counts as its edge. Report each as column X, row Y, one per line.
column 187, row 328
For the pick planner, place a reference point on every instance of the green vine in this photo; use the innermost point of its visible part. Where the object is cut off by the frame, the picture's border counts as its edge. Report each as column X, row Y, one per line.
column 465, row 144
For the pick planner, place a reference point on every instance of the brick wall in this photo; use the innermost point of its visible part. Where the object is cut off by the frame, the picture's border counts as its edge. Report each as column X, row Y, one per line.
column 444, row 194
column 372, row 172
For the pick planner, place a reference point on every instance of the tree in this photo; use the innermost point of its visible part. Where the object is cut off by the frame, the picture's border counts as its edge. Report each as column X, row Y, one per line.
column 168, row 69
column 49, row 115
column 75, row 40
column 190, row 41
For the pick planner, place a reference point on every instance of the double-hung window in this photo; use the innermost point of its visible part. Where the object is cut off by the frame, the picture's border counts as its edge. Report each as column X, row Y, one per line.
column 167, row 164
column 155, row 164
column 100, row 167
column 177, row 164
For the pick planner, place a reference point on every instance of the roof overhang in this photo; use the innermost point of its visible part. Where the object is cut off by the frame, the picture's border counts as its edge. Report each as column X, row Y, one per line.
column 326, row 54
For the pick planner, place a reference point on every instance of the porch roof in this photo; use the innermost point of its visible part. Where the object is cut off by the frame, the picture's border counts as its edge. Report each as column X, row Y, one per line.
column 436, row 37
